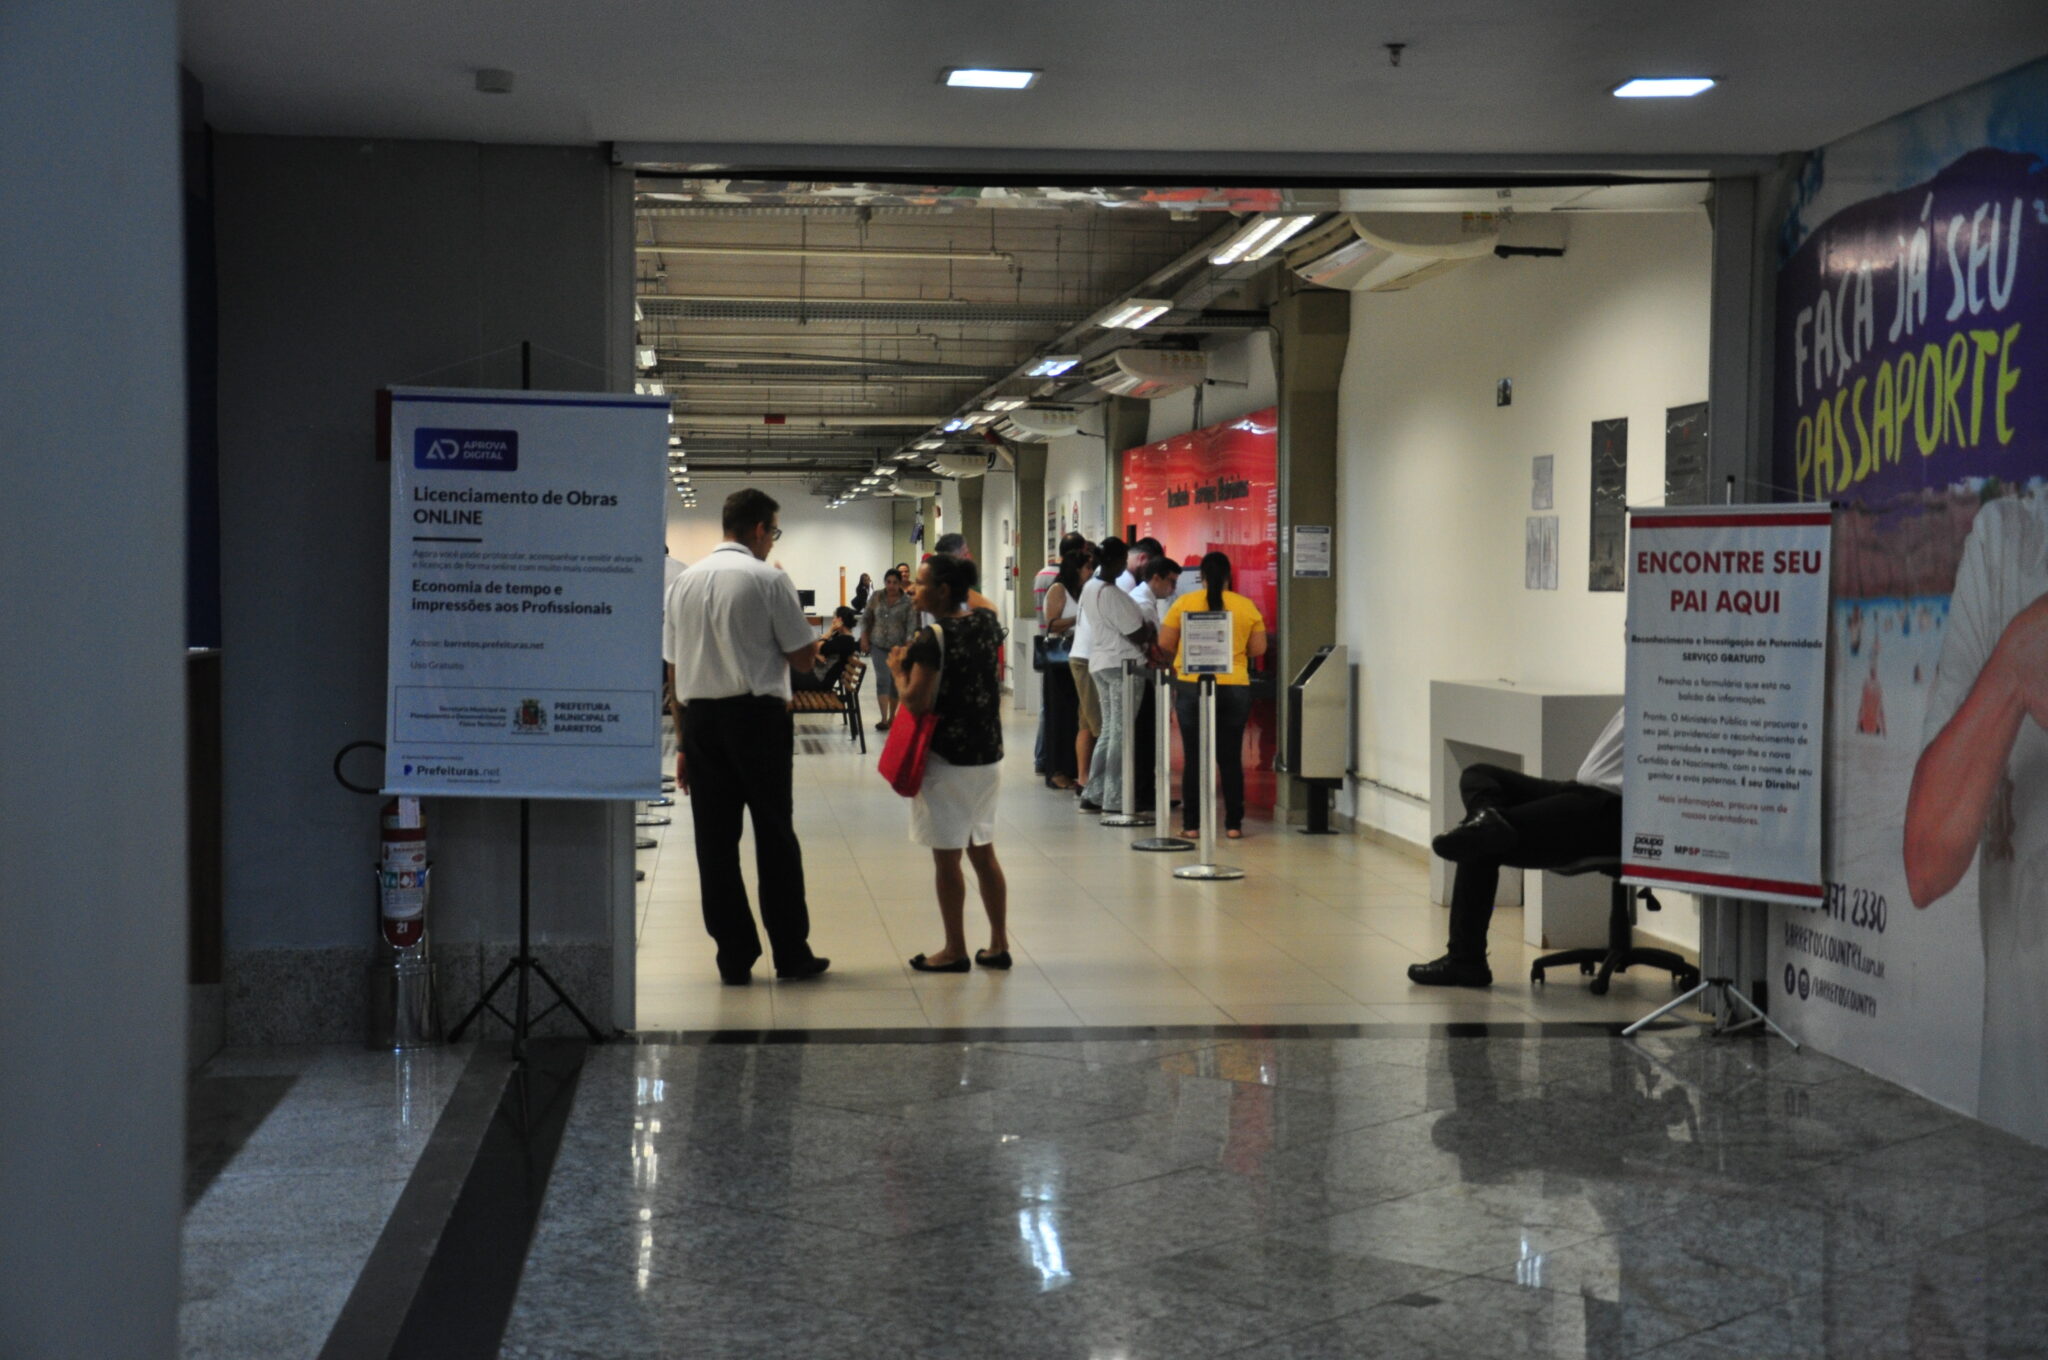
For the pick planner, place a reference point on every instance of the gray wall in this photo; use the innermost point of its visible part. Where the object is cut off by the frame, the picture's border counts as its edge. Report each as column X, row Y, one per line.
column 92, row 763
column 346, row 266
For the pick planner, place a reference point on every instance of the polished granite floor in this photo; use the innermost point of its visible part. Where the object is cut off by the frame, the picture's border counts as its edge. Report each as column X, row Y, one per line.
column 1278, row 1199
column 1321, row 930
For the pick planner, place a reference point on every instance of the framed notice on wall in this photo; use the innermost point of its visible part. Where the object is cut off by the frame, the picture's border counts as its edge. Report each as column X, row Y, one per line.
column 525, row 594
column 1685, row 455
column 1609, row 537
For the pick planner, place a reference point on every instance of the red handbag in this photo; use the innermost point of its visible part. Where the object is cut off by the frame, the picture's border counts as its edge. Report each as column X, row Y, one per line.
column 903, row 755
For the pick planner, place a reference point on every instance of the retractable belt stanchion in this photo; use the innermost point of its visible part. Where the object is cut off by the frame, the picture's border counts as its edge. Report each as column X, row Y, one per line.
column 1208, row 868
column 1131, row 692
column 1162, row 793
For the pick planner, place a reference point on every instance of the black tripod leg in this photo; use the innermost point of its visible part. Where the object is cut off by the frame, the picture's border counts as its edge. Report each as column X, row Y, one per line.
column 455, row 1035
column 596, row 1036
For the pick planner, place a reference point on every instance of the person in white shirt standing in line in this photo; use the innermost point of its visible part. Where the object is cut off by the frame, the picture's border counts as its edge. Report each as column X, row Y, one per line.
column 1157, row 584
column 736, row 631
column 1515, row 818
column 1118, row 632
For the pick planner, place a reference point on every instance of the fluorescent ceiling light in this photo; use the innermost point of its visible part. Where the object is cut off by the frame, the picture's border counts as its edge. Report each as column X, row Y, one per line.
column 989, row 78
column 1052, row 365
column 1005, row 403
column 926, row 445
column 1261, row 237
column 955, row 425
column 982, row 417
column 1129, row 316
column 1663, row 87
column 650, row 389
column 644, row 356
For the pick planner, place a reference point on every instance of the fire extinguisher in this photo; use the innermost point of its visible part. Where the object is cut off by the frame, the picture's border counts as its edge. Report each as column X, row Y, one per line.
column 402, row 864
column 402, row 873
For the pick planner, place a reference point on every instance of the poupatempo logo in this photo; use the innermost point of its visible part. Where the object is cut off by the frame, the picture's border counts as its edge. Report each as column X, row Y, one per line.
column 465, row 450
column 1649, row 846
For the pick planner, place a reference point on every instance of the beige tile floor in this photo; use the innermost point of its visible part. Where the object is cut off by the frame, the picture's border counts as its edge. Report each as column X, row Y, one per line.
column 1319, row 931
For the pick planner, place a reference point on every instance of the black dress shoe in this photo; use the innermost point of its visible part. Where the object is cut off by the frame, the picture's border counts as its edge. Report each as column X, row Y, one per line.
column 1451, row 971
column 1087, row 806
column 810, row 968
column 736, row 977
column 1484, row 835
column 997, row 959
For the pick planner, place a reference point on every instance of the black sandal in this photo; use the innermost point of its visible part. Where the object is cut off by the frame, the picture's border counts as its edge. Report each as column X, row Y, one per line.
column 988, row 960
column 962, row 964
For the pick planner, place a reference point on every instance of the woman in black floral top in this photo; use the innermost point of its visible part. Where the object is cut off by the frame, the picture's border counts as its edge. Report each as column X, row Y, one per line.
column 955, row 810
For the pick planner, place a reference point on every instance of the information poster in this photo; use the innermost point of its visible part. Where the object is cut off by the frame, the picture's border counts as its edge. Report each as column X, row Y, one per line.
column 1312, row 550
column 1606, row 542
column 1539, row 553
column 525, row 576
column 1206, row 643
column 1685, row 455
column 1727, row 700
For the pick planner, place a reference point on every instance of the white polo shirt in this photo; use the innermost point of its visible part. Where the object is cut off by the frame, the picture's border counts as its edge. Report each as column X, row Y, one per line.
column 730, row 623
column 1113, row 617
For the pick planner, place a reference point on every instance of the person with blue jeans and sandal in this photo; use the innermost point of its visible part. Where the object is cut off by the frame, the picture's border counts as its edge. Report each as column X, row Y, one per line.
column 954, row 669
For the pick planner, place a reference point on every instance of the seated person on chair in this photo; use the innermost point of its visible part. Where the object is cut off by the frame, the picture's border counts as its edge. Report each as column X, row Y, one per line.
column 838, row 644
column 1517, row 820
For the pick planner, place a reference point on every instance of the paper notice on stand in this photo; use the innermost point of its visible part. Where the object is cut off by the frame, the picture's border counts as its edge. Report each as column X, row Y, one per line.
column 1205, row 641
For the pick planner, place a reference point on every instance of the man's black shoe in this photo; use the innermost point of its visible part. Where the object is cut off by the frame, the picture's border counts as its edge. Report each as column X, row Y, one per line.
column 735, row 977
column 1450, row 971
column 1484, row 835
column 810, row 969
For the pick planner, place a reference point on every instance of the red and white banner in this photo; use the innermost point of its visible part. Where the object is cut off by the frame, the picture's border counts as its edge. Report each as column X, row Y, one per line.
column 1727, row 699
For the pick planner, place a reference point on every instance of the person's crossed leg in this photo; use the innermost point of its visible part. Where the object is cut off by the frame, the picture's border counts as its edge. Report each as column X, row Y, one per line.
column 1518, row 820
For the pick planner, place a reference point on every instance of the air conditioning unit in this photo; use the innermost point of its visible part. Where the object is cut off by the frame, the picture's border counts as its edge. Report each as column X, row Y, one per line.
column 916, row 487
column 1037, row 424
column 1385, row 252
column 964, row 462
column 1147, row 373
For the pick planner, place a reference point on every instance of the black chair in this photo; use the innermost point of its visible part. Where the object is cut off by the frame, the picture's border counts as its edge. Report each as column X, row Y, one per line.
column 1621, row 951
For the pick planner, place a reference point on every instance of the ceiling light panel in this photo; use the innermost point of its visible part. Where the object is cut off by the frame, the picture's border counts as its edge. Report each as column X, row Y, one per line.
column 1052, row 365
column 1261, row 237
column 989, row 78
column 1664, row 87
column 1134, row 313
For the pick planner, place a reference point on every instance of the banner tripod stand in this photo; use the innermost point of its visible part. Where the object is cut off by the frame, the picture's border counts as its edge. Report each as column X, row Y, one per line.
column 1730, row 996
column 522, row 1021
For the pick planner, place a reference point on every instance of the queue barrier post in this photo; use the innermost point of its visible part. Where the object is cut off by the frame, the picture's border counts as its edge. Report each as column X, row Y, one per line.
column 1128, row 757
column 1162, row 794
column 1208, row 870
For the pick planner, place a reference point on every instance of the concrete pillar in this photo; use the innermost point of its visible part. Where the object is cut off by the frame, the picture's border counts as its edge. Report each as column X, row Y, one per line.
column 1127, row 423
column 92, row 767
column 1312, row 329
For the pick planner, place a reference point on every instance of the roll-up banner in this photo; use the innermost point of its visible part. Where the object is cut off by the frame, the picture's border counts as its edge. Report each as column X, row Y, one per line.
column 526, row 575
column 1727, row 700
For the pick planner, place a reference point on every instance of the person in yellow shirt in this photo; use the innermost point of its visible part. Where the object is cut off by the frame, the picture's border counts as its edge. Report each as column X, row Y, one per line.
column 1233, row 692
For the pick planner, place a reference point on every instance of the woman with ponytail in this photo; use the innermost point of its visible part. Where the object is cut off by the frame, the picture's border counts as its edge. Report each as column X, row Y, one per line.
column 1233, row 692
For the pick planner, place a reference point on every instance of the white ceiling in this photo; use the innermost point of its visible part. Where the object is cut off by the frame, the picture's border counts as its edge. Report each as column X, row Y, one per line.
column 1478, row 76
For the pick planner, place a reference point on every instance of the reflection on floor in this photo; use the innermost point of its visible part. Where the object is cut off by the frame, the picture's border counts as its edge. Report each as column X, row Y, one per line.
column 1277, row 1199
column 1321, row 930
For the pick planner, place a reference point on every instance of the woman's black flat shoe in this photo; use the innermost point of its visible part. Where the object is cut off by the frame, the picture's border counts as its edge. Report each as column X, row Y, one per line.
column 988, row 960
column 962, row 964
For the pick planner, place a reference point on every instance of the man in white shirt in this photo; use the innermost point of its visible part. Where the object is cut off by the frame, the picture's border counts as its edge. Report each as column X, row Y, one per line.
column 735, row 631
column 1141, row 554
column 1980, row 795
column 1518, row 819
column 1157, row 585
column 1118, row 632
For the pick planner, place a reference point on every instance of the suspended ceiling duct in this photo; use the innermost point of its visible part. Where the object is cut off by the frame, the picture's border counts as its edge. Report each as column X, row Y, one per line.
column 1037, row 424
column 1385, row 252
column 1146, row 373
column 901, row 311
column 914, row 486
column 964, row 462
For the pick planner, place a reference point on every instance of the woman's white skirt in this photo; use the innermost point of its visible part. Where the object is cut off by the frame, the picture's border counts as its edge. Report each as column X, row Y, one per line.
column 956, row 807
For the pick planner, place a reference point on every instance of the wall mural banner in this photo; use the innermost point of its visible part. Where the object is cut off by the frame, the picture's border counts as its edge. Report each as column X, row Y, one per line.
column 1215, row 490
column 1911, row 346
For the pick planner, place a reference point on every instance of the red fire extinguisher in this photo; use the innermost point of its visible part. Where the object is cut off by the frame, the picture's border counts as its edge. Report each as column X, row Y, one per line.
column 402, row 873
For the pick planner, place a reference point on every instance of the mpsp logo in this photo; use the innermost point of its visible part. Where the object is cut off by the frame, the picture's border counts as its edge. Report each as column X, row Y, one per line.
column 465, row 450
column 1649, row 846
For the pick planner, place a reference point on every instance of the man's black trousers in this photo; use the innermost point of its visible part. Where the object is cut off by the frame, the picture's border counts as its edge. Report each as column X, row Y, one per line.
column 1556, row 822
column 738, row 754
